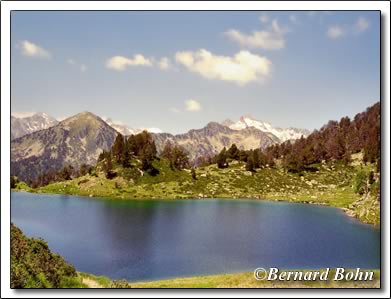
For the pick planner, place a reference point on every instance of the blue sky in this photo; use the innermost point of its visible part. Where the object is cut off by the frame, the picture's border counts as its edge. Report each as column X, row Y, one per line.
column 180, row 70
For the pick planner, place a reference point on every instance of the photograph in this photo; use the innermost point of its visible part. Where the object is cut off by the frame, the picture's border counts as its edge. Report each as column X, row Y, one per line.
column 195, row 149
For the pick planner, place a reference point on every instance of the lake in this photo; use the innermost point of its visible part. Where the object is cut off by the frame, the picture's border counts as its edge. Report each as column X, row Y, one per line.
column 156, row 239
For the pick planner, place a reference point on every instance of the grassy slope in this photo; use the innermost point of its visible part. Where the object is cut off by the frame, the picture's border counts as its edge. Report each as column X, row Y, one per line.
column 237, row 280
column 330, row 184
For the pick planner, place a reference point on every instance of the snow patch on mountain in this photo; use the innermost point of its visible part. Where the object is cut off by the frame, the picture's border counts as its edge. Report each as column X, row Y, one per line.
column 125, row 130
column 282, row 134
column 27, row 123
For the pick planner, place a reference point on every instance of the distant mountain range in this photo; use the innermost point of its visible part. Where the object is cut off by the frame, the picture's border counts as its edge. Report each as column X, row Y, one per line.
column 21, row 126
column 125, row 130
column 41, row 143
column 282, row 134
column 76, row 140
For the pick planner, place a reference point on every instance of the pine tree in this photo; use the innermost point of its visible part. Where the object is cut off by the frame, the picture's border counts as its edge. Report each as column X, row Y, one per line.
column 127, row 155
column 107, row 165
column 250, row 163
column 233, row 152
column 147, row 155
column 167, row 151
column 118, row 148
column 255, row 158
column 14, row 181
column 193, row 173
column 222, row 159
column 179, row 158
column 243, row 155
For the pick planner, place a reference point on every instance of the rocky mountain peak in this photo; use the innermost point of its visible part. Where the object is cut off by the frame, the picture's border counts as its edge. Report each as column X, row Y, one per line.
column 85, row 118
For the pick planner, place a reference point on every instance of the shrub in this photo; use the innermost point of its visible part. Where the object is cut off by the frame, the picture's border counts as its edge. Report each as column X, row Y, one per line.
column 33, row 265
column 360, row 182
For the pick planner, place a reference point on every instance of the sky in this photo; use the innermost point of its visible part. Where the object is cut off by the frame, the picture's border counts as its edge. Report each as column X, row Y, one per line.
column 180, row 70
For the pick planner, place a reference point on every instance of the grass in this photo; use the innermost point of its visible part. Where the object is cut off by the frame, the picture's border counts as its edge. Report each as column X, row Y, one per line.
column 325, row 184
column 247, row 280
column 101, row 281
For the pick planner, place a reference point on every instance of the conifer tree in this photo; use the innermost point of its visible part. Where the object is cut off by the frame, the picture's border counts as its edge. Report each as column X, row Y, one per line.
column 118, row 148
column 233, row 152
column 222, row 159
column 250, row 163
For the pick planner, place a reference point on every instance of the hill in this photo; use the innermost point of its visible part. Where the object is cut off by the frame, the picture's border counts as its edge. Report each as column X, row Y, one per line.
column 74, row 141
column 33, row 265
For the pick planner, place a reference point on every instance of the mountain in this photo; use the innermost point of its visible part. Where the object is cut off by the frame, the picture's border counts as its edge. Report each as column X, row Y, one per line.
column 282, row 134
column 211, row 139
column 21, row 126
column 125, row 130
column 119, row 127
column 76, row 140
column 81, row 138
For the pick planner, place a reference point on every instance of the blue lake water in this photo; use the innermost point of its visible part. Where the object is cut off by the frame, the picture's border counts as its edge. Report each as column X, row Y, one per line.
column 146, row 240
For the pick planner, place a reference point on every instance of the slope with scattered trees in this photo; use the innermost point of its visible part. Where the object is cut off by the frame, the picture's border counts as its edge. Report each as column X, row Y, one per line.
column 337, row 165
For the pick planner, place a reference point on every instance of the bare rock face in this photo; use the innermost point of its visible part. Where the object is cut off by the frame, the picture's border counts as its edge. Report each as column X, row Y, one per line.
column 21, row 126
column 81, row 138
column 248, row 121
column 211, row 139
column 74, row 141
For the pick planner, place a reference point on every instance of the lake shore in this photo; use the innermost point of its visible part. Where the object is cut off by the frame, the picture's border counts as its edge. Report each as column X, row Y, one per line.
column 330, row 185
column 234, row 280
column 274, row 198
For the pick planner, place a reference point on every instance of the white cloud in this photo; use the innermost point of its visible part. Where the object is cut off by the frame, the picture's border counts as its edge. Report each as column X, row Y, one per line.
column 30, row 49
column 264, row 18
column 71, row 61
column 335, row 32
column 192, row 105
column 120, row 63
column 242, row 68
column 362, row 24
column 164, row 64
column 83, row 68
column 271, row 39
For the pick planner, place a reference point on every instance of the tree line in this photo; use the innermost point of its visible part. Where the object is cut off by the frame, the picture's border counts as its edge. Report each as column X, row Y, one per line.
column 334, row 141
column 337, row 140
column 142, row 147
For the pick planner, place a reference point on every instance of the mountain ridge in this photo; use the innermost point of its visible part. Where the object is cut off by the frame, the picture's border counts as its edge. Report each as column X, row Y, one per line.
column 21, row 126
column 76, row 140
column 79, row 139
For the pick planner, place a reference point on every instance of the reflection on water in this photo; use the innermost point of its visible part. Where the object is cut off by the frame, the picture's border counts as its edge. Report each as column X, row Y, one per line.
column 143, row 240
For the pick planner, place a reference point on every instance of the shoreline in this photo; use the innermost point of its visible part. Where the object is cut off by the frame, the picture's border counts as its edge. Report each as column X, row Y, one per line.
column 346, row 210
column 234, row 280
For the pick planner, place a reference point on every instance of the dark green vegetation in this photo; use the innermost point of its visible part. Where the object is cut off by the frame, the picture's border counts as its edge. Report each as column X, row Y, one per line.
column 336, row 141
column 33, row 265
